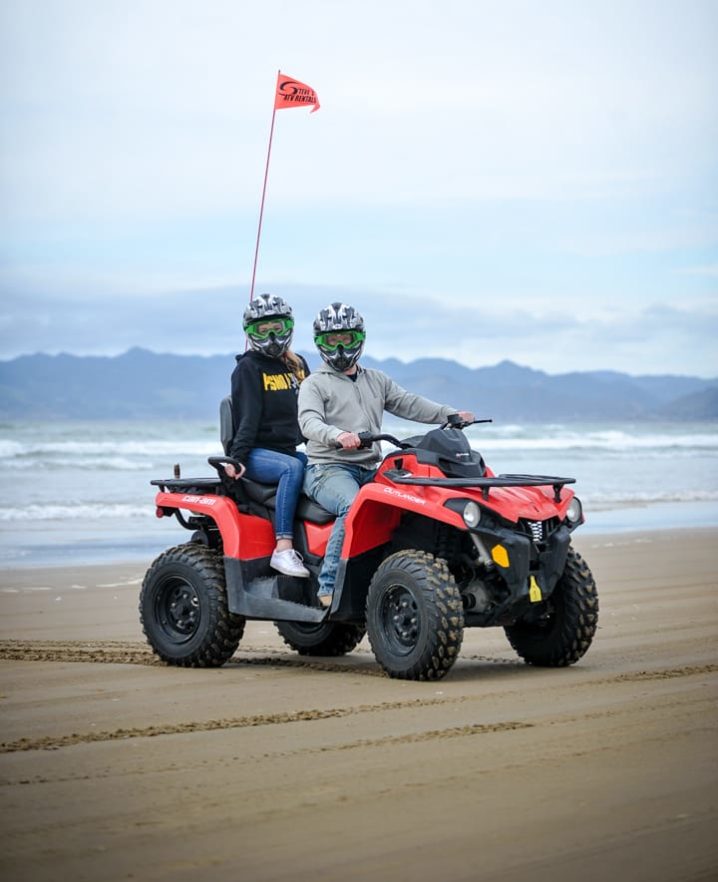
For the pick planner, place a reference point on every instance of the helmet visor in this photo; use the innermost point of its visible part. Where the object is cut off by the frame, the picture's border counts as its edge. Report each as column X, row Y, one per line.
column 262, row 328
column 332, row 340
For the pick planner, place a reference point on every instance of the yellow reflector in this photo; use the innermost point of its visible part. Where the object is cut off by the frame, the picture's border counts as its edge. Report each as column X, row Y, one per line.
column 500, row 555
column 535, row 595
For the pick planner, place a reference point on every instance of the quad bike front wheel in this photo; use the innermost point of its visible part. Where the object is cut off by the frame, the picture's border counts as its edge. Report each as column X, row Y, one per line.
column 414, row 616
column 183, row 608
column 324, row 638
column 561, row 631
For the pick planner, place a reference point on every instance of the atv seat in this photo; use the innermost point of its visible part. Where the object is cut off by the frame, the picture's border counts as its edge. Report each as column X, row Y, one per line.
column 266, row 494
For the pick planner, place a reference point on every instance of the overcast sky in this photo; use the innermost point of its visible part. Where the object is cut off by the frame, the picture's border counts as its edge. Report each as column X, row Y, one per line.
column 535, row 181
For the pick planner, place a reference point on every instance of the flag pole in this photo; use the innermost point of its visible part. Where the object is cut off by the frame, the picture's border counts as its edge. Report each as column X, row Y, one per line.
column 264, row 193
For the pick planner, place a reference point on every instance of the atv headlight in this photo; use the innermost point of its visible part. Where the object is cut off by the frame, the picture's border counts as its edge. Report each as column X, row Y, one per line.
column 574, row 512
column 472, row 515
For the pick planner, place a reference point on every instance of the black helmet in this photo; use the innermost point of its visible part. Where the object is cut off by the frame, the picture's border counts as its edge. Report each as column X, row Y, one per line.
column 268, row 324
column 339, row 335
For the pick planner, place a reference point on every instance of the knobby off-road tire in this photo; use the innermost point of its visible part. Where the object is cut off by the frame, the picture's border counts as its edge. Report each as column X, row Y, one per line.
column 183, row 608
column 325, row 638
column 564, row 635
column 414, row 616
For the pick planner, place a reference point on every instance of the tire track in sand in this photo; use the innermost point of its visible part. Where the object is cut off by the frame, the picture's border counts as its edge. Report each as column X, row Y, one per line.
column 102, row 651
column 125, row 652
column 53, row 742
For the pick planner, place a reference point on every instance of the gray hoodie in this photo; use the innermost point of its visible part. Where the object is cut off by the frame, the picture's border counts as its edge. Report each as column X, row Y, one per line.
column 330, row 403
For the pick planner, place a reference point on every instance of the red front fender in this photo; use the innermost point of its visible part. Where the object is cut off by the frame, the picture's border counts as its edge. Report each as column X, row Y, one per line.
column 378, row 508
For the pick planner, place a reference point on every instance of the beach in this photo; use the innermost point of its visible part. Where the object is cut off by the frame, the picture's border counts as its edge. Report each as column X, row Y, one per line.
column 281, row 767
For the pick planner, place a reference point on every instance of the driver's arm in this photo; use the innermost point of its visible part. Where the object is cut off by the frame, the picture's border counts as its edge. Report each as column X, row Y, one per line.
column 312, row 415
column 413, row 407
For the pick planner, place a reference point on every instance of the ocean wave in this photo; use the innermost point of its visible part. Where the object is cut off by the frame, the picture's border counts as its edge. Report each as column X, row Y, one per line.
column 609, row 441
column 510, row 438
column 86, row 510
column 10, row 449
column 109, row 463
column 647, row 497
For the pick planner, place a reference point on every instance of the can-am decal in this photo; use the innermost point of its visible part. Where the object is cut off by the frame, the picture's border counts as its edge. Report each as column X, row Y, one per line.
column 200, row 500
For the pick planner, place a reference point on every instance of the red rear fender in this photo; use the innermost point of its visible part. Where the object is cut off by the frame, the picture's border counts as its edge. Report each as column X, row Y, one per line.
column 244, row 536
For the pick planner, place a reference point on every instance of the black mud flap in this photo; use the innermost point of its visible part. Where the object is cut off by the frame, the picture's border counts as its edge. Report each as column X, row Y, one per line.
column 257, row 596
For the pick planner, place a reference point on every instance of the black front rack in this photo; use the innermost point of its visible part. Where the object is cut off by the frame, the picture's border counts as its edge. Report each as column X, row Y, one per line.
column 398, row 476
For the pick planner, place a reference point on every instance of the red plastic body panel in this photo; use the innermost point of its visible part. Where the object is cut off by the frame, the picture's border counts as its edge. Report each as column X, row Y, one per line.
column 317, row 537
column 510, row 503
column 376, row 511
column 243, row 536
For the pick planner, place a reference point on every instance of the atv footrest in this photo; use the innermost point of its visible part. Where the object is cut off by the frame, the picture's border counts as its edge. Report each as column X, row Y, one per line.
column 259, row 601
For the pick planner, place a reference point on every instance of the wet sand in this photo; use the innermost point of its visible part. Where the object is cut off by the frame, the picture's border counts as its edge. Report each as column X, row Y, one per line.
column 277, row 767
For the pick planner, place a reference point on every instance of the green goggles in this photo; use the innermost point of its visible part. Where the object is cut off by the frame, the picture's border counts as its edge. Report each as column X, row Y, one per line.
column 262, row 328
column 332, row 340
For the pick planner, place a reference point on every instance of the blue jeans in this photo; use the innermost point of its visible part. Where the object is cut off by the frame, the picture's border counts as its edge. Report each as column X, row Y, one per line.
column 287, row 471
column 334, row 486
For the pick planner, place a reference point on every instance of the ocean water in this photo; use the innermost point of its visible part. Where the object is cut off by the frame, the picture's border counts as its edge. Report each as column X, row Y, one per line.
column 79, row 492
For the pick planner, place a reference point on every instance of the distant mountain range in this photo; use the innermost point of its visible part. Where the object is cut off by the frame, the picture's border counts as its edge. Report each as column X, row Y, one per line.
column 146, row 385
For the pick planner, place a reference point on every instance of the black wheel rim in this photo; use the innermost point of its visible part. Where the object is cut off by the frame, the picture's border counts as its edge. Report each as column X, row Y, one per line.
column 177, row 609
column 400, row 619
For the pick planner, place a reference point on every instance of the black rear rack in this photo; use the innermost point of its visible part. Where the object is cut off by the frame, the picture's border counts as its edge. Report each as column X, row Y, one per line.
column 484, row 484
column 187, row 485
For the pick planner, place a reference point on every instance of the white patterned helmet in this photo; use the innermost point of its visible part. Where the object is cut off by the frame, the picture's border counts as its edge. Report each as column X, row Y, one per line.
column 269, row 324
column 339, row 335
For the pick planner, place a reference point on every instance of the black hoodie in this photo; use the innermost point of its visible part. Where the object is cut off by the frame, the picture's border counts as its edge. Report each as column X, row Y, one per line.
column 264, row 403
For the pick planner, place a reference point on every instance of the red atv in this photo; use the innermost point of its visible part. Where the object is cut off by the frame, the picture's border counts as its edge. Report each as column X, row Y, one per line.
column 434, row 544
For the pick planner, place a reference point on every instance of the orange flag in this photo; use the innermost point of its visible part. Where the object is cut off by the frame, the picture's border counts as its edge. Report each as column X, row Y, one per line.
column 292, row 93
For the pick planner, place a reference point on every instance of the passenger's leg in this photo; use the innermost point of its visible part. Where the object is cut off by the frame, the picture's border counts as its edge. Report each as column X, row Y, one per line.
column 287, row 471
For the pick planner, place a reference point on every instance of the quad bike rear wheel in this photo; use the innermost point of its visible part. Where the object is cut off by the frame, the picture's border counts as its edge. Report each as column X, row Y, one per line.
column 325, row 638
column 414, row 616
column 183, row 608
column 563, row 631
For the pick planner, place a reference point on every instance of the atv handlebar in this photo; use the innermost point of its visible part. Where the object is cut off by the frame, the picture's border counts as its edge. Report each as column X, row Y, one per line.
column 453, row 422
column 367, row 439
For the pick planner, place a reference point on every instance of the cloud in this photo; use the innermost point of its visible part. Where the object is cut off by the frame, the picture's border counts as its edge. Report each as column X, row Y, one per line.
column 399, row 325
column 157, row 109
column 711, row 270
column 514, row 180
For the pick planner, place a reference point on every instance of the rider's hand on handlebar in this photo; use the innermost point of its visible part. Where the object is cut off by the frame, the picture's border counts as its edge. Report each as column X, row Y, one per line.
column 466, row 416
column 232, row 472
column 349, row 441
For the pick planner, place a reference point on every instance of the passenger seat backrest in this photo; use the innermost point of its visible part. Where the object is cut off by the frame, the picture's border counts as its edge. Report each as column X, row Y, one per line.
column 226, row 423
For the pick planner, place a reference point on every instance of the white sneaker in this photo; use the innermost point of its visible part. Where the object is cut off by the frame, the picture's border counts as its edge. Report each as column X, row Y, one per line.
column 289, row 563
